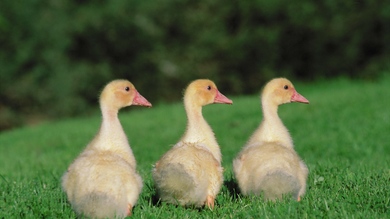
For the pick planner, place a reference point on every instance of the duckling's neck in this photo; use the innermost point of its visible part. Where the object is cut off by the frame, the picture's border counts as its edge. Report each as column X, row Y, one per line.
column 271, row 128
column 112, row 131
column 111, row 136
column 198, row 131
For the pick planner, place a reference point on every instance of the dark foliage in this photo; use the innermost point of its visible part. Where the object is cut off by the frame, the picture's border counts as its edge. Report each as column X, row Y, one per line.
column 56, row 55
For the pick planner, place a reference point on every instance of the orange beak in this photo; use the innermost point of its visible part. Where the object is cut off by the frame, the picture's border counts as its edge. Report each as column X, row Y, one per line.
column 296, row 97
column 220, row 98
column 140, row 100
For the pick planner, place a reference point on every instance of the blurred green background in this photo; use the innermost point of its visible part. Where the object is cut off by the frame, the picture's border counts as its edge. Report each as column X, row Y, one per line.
column 56, row 55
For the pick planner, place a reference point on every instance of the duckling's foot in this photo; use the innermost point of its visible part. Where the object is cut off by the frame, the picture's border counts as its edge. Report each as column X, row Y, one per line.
column 299, row 198
column 129, row 210
column 210, row 201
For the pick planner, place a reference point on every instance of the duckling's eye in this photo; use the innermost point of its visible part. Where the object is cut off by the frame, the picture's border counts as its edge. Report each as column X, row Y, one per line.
column 285, row 87
column 208, row 87
column 127, row 88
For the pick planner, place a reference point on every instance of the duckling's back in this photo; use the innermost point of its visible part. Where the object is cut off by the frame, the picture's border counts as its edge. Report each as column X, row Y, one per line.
column 184, row 174
column 271, row 169
column 95, row 190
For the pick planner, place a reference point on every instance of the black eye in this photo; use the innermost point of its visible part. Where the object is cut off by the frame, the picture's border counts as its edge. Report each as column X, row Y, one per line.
column 208, row 87
column 127, row 88
column 285, row 87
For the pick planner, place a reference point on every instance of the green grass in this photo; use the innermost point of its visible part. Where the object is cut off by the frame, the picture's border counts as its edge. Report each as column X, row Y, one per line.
column 343, row 135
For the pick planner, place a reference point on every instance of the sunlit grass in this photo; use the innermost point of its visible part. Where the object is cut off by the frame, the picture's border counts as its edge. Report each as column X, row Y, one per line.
column 342, row 135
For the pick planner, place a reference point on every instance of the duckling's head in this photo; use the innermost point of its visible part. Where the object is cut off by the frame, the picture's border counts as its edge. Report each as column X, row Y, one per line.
column 121, row 93
column 203, row 91
column 280, row 90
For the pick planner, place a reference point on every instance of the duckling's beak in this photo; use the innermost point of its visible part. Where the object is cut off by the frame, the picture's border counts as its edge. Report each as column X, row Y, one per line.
column 220, row 98
column 140, row 100
column 296, row 97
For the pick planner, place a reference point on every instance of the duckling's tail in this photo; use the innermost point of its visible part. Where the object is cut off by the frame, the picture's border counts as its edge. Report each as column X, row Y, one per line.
column 175, row 185
column 277, row 184
column 100, row 205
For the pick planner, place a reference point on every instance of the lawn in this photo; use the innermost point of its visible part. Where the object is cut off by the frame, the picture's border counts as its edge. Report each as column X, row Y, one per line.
column 343, row 135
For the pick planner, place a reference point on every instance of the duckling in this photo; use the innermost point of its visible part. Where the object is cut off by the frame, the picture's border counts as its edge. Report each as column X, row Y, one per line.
column 268, row 163
column 102, row 182
column 190, row 173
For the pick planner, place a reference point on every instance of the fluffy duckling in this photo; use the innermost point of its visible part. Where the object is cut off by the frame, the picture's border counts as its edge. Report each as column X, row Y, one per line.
column 190, row 174
column 268, row 163
column 102, row 182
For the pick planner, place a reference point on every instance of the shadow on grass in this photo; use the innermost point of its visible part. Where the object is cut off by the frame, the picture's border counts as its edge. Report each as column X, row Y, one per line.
column 232, row 188
column 229, row 185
